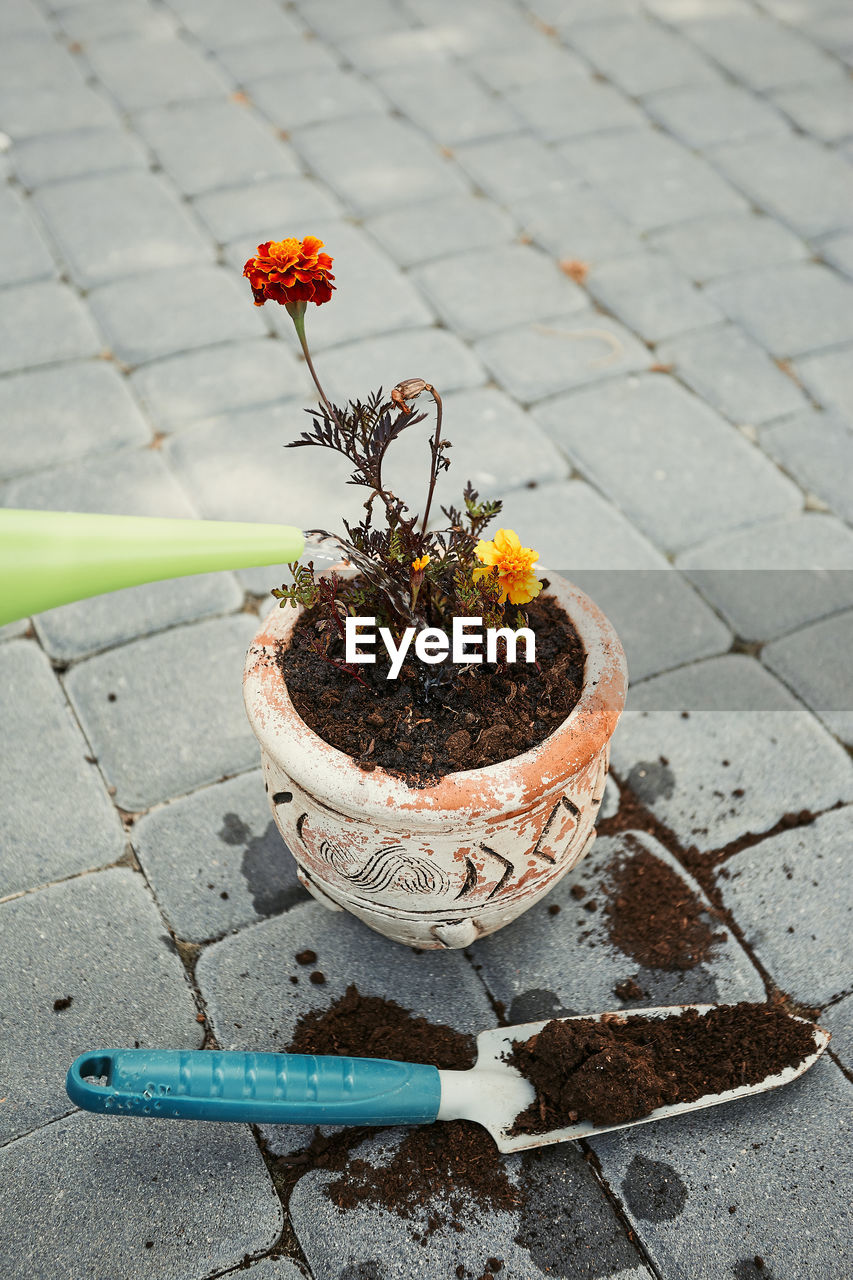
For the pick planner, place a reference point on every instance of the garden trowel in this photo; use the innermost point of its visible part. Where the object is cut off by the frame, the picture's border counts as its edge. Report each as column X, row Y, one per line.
column 283, row 1088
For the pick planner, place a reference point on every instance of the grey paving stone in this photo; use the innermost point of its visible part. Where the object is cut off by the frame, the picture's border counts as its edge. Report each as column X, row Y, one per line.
column 817, row 449
column 183, row 388
column 673, row 466
column 649, row 178
column 431, row 230
column 532, row 58
column 55, row 157
column 685, row 12
column 245, row 62
column 575, row 224
column 781, row 1159
column 246, row 150
column 777, row 576
column 362, row 161
column 375, row 17
column 245, row 981
column 292, row 101
column 540, row 360
column 819, row 201
column 177, row 721
column 371, row 293
column 572, row 106
column 51, row 416
column 641, row 57
column 565, row 1222
column 733, row 373
column 126, row 482
column 26, row 114
column 564, row 14
column 358, row 368
column 447, row 102
column 199, row 1193
column 237, row 468
column 495, row 289
column 215, row 24
column 261, row 211
column 380, row 51
column 166, row 312
column 42, row 323
column 838, row 250
column 789, row 896
column 120, row 225
column 714, row 114
column 276, row 1269
column 839, row 1020
column 587, row 540
column 121, row 992
column 515, row 167
column 651, row 296
column 815, row 663
column 828, row 24
column 13, row 630
column 215, row 860
column 790, row 310
column 139, row 73
column 829, row 378
column 708, row 247
column 496, row 446
column 68, row 826
column 30, row 62
column 823, row 110
column 760, row 52
column 102, row 19
column 25, row 254
column 480, row 25
column 746, row 754
column 21, row 17
column 545, row 965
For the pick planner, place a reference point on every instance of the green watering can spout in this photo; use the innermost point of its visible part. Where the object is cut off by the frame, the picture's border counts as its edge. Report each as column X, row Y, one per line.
column 48, row 558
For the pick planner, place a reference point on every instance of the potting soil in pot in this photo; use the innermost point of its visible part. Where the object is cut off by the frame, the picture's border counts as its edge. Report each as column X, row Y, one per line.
column 479, row 717
column 618, row 1070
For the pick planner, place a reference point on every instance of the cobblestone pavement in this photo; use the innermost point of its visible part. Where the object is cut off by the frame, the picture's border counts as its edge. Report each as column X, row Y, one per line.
column 619, row 236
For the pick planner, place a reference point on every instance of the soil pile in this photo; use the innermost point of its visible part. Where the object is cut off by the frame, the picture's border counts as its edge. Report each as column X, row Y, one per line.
column 621, row 1069
column 445, row 1167
column 652, row 915
column 478, row 717
column 361, row 1026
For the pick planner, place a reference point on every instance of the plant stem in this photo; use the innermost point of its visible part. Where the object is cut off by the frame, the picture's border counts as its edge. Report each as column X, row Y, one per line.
column 296, row 311
column 434, row 471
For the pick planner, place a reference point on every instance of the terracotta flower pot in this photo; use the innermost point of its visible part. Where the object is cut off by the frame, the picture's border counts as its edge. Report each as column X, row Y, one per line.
column 443, row 865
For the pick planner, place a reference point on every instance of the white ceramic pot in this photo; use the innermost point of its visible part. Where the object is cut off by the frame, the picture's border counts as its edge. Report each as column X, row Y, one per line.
column 438, row 866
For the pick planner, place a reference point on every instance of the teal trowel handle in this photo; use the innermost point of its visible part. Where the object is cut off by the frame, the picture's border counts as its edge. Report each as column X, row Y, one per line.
column 48, row 558
column 263, row 1088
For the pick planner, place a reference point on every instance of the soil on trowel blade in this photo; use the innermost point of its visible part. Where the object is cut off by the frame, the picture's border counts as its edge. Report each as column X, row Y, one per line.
column 621, row 1069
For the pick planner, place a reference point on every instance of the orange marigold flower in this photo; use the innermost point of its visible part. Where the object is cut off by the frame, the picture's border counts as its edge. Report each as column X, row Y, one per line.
column 289, row 271
column 514, row 562
column 420, row 563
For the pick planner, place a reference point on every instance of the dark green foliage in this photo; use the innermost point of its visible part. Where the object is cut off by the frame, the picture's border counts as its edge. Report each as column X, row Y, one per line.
column 389, row 588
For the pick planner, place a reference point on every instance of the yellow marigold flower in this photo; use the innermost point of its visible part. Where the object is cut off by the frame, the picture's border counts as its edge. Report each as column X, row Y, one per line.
column 420, row 563
column 519, row 583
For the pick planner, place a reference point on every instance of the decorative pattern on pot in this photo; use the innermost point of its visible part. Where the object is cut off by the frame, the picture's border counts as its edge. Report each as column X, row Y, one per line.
column 442, row 865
